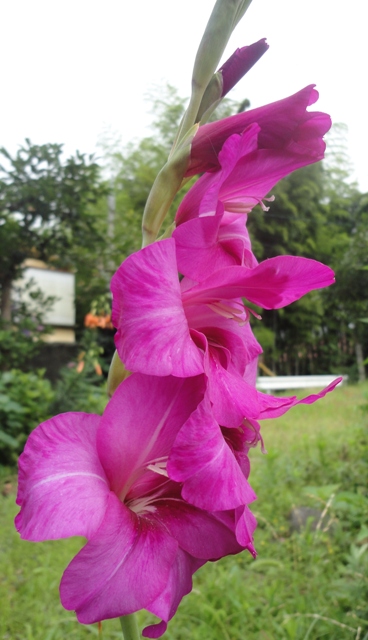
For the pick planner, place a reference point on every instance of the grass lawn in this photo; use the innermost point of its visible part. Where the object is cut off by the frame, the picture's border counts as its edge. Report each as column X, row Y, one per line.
column 304, row 585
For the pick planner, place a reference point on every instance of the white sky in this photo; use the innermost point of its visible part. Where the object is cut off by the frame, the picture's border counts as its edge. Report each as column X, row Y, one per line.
column 72, row 68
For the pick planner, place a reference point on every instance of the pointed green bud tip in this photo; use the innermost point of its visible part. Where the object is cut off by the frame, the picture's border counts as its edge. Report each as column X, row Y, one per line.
column 214, row 41
column 117, row 373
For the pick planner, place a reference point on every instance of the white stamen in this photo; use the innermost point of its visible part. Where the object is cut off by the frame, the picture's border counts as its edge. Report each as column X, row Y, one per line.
column 158, row 468
column 230, row 313
column 244, row 207
column 145, row 503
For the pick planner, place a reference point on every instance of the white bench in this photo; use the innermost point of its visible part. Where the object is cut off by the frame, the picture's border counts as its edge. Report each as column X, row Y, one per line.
column 281, row 383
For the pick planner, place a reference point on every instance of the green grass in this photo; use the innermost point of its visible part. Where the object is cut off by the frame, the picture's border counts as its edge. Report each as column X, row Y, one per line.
column 303, row 586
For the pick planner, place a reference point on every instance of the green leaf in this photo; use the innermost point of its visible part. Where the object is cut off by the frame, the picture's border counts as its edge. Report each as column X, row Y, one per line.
column 6, row 439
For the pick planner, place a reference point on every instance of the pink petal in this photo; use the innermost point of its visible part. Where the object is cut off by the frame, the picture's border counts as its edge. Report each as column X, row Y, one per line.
column 279, row 122
column 198, row 533
column 225, row 334
column 204, row 241
column 229, row 182
column 251, row 372
column 257, row 173
column 205, row 244
column 141, row 422
column 273, row 284
column 246, row 524
column 153, row 335
column 203, row 197
column 276, row 406
column 231, row 396
column 203, row 461
column 199, row 250
column 63, row 489
column 154, row 630
column 122, row 569
column 178, row 585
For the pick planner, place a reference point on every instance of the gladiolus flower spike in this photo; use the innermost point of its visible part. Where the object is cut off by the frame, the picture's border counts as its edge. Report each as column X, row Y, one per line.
column 159, row 485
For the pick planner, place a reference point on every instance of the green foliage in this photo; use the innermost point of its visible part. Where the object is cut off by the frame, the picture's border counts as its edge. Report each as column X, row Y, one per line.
column 44, row 202
column 27, row 398
column 24, row 402
column 290, row 226
column 19, row 343
column 76, row 391
column 44, row 208
column 304, row 585
column 21, row 340
column 79, row 387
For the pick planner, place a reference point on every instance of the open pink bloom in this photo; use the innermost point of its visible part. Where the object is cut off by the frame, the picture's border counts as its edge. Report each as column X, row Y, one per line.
column 167, row 327
column 105, row 478
column 284, row 125
column 239, row 64
column 210, row 220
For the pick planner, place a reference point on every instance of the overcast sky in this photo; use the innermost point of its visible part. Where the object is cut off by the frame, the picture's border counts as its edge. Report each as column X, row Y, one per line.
column 74, row 68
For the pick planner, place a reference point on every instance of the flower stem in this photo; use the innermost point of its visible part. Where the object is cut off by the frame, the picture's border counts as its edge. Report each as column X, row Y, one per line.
column 130, row 627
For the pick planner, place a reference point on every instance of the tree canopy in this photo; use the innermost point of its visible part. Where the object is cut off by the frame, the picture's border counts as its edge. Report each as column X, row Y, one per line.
column 44, row 208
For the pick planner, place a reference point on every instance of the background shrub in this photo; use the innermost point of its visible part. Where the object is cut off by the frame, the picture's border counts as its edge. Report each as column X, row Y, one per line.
column 25, row 400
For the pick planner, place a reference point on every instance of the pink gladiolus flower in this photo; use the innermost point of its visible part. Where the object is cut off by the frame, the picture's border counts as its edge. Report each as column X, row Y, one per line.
column 105, row 478
column 240, row 63
column 285, row 124
column 185, row 329
column 210, row 220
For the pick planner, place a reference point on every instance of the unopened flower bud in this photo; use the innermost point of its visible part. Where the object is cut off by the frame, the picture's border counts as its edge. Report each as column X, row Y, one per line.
column 228, row 76
column 239, row 64
column 224, row 17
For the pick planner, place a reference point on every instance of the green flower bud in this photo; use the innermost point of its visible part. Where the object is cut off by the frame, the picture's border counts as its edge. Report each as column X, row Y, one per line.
column 117, row 373
column 165, row 187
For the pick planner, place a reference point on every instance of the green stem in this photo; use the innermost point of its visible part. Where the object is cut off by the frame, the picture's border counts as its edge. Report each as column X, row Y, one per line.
column 130, row 627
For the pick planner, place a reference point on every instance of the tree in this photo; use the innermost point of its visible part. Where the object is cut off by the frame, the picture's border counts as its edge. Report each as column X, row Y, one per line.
column 291, row 226
column 44, row 209
column 345, row 236
column 352, row 283
column 316, row 215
